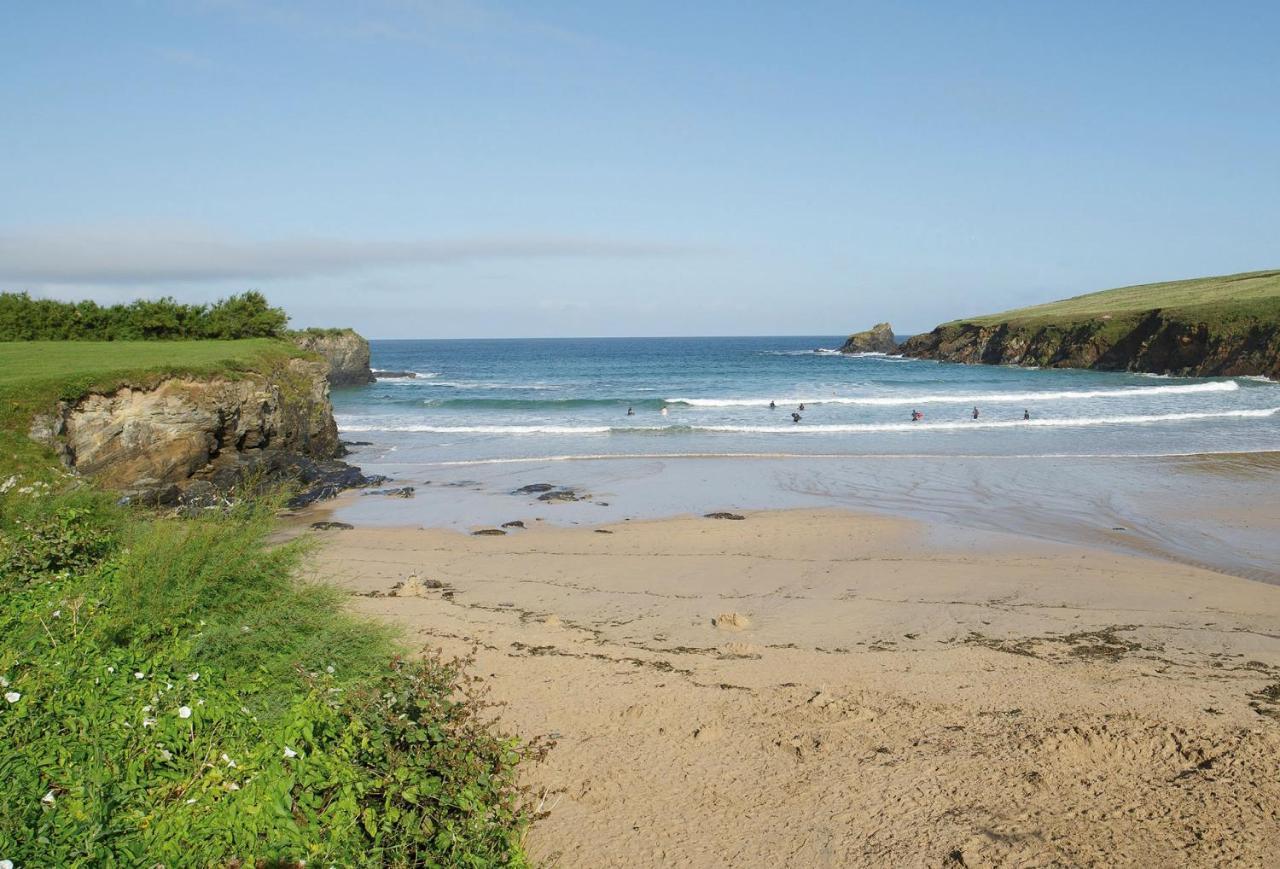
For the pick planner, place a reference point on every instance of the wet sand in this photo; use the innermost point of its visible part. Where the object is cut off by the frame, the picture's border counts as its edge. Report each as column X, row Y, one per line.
column 822, row 688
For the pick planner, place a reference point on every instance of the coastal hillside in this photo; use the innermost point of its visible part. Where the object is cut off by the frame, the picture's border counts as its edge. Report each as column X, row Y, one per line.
column 172, row 693
column 1226, row 325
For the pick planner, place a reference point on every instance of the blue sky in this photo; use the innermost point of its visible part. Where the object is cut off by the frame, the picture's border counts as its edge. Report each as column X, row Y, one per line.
column 466, row 168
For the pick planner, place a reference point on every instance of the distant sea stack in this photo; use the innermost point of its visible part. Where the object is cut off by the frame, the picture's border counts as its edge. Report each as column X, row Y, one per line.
column 878, row 339
column 1220, row 326
column 344, row 350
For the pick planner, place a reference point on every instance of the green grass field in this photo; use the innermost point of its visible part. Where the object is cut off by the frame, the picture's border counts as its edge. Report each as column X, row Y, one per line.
column 31, row 369
column 1244, row 293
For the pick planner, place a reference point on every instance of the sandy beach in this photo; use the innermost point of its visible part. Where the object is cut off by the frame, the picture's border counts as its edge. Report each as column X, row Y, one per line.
column 823, row 688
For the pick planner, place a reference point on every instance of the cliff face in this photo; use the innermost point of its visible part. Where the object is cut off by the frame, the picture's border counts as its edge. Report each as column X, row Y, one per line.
column 1155, row 341
column 345, row 351
column 878, row 339
column 157, row 442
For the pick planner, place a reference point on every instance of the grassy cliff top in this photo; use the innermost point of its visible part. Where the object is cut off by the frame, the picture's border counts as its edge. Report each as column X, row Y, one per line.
column 1248, row 293
column 49, row 370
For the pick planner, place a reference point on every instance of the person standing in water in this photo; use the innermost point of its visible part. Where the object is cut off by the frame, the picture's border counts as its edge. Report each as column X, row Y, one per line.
column 631, row 411
column 916, row 416
column 795, row 417
column 664, row 410
column 975, row 413
column 801, row 407
column 772, row 406
column 1026, row 414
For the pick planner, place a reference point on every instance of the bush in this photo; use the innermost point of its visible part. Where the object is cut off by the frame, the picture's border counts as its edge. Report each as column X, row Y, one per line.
column 247, row 315
column 174, row 696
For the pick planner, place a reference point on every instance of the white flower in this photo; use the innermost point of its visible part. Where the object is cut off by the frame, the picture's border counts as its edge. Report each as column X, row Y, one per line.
column 289, row 752
column 329, row 669
column 111, row 669
column 146, row 708
column 165, row 754
column 6, row 864
column 4, row 683
column 191, row 802
column 12, row 696
column 228, row 761
column 168, row 686
column 139, row 675
column 184, row 711
column 148, row 722
column 47, row 799
column 193, row 676
column 57, row 614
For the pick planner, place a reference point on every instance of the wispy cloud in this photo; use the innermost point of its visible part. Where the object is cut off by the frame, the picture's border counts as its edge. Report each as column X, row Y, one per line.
column 141, row 256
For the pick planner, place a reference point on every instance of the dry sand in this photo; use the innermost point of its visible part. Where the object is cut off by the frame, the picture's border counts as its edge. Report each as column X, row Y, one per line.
column 825, row 689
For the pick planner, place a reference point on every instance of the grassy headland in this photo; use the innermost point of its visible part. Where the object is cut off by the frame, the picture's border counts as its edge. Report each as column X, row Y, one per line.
column 1244, row 293
column 1218, row 325
column 172, row 694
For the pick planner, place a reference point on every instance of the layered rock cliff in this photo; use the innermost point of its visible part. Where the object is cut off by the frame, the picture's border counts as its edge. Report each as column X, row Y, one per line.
column 878, row 339
column 162, row 441
column 1182, row 342
column 345, row 351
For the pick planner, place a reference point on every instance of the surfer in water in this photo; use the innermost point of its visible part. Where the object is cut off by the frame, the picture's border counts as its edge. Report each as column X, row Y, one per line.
column 795, row 417
column 975, row 413
column 801, row 407
column 631, row 411
column 916, row 416
column 772, row 406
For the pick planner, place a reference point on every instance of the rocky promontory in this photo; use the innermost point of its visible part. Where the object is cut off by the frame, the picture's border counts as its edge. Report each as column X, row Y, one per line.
column 878, row 339
column 184, row 438
column 1228, row 326
column 345, row 351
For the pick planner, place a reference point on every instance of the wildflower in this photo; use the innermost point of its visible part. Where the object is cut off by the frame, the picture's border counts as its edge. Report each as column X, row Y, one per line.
column 48, row 799
column 4, row 683
column 166, row 754
column 148, row 722
column 111, row 669
column 6, row 864
column 57, row 614
column 146, row 708
column 289, row 752
column 228, row 761
column 191, row 802
column 193, row 676
column 12, row 696
column 139, row 675
column 329, row 669
column 230, row 786
column 184, row 711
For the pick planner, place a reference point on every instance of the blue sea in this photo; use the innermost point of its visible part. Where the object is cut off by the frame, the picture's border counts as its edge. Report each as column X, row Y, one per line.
column 503, row 399
column 1099, row 451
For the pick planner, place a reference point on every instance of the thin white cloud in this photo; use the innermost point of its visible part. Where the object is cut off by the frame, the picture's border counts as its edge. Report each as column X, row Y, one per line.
column 141, row 256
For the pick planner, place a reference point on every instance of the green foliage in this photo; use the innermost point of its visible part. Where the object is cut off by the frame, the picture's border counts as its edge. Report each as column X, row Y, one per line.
column 247, row 315
column 1246, row 296
column 180, row 699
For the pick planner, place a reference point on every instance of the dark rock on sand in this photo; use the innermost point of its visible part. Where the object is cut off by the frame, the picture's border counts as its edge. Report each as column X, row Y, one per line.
column 559, row 496
column 516, row 524
column 735, row 516
column 533, row 489
column 488, row 532
column 332, row 526
column 401, row 492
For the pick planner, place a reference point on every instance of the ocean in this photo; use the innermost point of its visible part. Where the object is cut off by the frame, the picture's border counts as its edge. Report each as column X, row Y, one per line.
column 1100, row 450
column 480, row 400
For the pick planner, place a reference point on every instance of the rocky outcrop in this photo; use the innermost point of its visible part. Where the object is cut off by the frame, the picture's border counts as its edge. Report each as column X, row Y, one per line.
column 345, row 351
column 878, row 339
column 189, row 437
column 1158, row 342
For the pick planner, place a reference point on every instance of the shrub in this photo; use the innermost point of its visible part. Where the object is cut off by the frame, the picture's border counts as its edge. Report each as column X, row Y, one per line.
column 247, row 315
column 180, row 699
